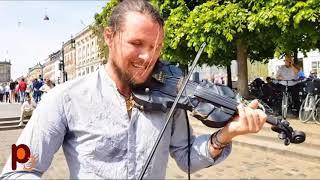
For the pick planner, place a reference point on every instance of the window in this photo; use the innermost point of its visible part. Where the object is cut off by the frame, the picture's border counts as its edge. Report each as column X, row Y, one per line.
column 79, row 52
column 83, row 53
column 92, row 46
column 92, row 69
column 88, row 50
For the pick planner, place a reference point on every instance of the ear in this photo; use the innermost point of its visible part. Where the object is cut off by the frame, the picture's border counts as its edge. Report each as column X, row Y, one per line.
column 108, row 35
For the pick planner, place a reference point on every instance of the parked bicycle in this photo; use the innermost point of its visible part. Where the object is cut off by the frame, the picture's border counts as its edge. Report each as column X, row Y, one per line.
column 310, row 107
column 287, row 100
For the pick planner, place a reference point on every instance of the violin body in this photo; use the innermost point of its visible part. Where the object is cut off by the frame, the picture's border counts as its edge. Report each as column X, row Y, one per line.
column 162, row 88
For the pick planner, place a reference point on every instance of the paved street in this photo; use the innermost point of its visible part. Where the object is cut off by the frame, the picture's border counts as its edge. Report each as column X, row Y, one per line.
column 243, row 163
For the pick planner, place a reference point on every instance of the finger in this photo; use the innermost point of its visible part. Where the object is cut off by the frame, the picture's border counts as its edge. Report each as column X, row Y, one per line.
column 257, row 122
column 254, row 104
column 242, row 117
column 250, row 119
column 262, row 117
column 241, row 111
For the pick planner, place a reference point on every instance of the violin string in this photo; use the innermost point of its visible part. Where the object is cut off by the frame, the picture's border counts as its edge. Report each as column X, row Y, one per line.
column 227, row 101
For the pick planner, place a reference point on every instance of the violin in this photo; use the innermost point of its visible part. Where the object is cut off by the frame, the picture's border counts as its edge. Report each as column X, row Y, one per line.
column 167, row 88
column 213, row 105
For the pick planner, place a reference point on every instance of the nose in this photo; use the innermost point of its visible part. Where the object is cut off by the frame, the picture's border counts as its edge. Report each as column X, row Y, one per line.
column 144, row 56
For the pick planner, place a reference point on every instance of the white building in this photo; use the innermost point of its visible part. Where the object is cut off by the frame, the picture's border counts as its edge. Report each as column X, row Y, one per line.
column 51, row 68
column 311, row 62
column 207, row 72
column 87, row 54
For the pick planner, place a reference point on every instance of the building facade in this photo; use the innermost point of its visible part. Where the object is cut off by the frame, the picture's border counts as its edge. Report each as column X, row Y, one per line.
column 48, row 69
column 87, row 54
column 51, row 68
column 34, row 72
column 69, row 53
column 311, row 63
column 5, row 71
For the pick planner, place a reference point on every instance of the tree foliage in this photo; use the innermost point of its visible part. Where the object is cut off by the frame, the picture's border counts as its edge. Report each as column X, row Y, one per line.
column 266, row 27
column 101, row 22
column 260, row 28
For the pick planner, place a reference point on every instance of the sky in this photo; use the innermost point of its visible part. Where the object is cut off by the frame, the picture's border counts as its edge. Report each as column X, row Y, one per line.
column 26, row 39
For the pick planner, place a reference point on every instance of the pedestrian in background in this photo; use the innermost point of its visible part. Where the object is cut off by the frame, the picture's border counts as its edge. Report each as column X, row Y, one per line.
column 289, row 71
column 47, row 86
column 22, row 87
column 1, row 92
column 12, row 86
column 36, row 90
column 26, row 109
column 17, row 92
column 29, row 90
column 7, row 93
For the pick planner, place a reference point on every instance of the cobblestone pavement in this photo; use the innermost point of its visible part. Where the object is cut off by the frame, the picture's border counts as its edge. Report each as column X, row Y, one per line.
column 243, row 163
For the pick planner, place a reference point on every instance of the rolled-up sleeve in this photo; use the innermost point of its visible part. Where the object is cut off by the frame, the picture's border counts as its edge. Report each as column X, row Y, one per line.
column 200, row 156
column 44, row 134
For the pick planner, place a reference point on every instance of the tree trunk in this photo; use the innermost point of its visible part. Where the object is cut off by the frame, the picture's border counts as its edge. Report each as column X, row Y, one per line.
column 295, row 56
column 242, row 54
column 229, row 82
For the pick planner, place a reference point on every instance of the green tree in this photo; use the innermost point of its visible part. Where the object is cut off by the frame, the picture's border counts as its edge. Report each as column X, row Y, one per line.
column 239, row 30
column 232, row 29
column 101, row 22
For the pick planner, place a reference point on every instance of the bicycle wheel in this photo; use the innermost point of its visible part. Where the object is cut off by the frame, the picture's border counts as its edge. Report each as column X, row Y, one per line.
column 316, row 112
column 284, row 106
column 306, row 108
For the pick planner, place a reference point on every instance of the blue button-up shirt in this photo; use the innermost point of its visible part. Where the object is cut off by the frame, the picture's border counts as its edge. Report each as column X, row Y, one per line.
column 88, row 117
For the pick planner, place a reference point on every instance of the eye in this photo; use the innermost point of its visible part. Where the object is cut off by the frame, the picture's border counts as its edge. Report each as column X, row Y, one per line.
column 136, row 43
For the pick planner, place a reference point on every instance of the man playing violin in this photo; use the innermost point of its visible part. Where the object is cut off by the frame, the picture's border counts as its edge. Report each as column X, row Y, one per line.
column 99, row 137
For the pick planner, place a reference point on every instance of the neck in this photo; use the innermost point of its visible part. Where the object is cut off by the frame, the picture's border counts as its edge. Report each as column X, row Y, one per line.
column 122, row 86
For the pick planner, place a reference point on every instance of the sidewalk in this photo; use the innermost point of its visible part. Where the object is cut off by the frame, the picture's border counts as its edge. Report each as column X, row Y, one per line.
column 9, row 110
column 245, row 162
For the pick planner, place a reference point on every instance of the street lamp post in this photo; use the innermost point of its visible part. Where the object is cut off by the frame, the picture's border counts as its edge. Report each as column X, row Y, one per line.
column 61, row 64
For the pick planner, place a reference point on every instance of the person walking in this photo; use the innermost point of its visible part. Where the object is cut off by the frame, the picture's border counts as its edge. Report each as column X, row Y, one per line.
column 2, row 92
column 22, row 87
column 7, row 93
column 12, row 86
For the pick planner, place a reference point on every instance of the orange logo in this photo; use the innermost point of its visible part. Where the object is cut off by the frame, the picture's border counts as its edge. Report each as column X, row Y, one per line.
column 21, row 154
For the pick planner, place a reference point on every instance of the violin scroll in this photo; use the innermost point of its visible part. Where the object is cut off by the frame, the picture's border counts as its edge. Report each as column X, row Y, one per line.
column 286, row 132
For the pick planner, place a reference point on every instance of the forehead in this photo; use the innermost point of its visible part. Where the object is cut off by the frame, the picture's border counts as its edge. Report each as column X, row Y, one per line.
column 141, row 26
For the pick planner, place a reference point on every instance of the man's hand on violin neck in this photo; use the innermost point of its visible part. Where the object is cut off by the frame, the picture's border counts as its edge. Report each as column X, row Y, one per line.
column 249, row 120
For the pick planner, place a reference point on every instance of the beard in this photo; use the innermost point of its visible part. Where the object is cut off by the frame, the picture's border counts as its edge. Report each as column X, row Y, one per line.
column 124, row 76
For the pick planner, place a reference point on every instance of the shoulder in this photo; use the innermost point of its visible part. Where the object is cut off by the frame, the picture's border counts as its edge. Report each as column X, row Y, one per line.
column 74, row 87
